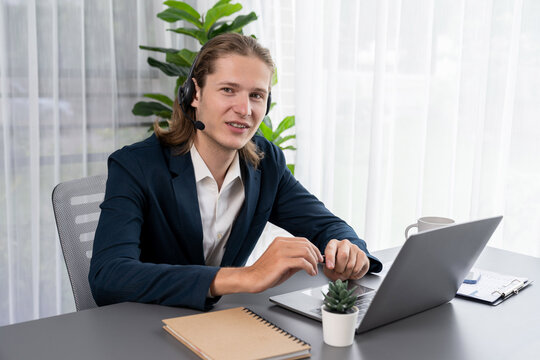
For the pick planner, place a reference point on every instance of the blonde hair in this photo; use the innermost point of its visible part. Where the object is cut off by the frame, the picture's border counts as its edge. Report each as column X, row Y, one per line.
column 181, row 131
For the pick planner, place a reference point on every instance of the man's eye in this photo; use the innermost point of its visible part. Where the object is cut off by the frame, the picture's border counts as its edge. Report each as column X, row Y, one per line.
column 257, row 96
column 227, row 90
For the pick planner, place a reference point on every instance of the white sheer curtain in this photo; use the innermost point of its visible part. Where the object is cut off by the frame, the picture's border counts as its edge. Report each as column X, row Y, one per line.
column 411, row 108
column 70, row 72
column 403, row 108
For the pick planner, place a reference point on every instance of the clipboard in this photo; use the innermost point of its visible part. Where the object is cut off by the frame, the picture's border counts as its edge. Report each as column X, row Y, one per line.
column 492, row 287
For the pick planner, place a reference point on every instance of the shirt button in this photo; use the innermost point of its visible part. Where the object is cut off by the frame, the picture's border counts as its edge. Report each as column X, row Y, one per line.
column 219, row 236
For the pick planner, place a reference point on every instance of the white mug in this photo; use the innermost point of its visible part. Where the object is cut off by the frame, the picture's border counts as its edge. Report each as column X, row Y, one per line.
column 428, row 223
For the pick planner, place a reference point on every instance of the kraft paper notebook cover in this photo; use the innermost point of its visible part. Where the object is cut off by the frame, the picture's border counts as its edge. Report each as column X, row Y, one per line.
column 236, row 333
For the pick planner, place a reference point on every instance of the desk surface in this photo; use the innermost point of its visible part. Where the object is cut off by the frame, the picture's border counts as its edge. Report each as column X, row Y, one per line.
column 459, row 329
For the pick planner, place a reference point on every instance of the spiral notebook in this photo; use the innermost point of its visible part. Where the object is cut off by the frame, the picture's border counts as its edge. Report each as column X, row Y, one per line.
column 236, row 333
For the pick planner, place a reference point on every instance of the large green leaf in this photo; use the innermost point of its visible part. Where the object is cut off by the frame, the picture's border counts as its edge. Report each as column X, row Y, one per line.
column 238, row 23
column 164, row 114
column 148, row 108
column 160, row 97
column 291, row 168
column 268, row 121
column 288, row 148
column 176, row 59
column 173, row 15
column 164, row 124
column 217, row 12
column 221, row 2
column 214, row 27
column 266, row 131
column 180, row 5
column 160, row 49
column 274, row 77
column 287, row 123
column 183, row 58
column 281, row 140
column 187, row 55
column 197, row 34
column 169, row 69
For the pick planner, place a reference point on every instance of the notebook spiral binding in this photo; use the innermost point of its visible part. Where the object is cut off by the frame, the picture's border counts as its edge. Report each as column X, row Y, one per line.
column 274, row 326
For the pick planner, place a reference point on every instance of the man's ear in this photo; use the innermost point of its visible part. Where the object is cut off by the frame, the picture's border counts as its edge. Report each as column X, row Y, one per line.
column 197, row 94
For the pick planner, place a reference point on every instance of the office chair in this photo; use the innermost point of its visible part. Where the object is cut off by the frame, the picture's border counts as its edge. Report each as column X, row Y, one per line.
column 76, row 210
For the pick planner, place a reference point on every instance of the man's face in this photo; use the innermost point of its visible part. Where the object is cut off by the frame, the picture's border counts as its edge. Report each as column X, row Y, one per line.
column 232, row 103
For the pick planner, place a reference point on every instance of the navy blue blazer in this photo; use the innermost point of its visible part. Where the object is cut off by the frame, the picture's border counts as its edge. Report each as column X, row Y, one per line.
column 148, row 243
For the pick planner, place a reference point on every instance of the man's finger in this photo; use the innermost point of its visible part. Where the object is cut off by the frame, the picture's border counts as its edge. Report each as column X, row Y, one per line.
column 342, row 256
column 302, row 264
column 361, row 267
column 351, row 264
column 303, row 252
column 330, row 254
column 358, row 266
column 333, row 276
column 315, row 250
column 365, row 268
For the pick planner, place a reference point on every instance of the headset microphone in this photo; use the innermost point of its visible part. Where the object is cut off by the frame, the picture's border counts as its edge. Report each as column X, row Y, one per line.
column 199, row 125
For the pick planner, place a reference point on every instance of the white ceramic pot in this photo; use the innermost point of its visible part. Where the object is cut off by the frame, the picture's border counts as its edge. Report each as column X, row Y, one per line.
column 338, row 329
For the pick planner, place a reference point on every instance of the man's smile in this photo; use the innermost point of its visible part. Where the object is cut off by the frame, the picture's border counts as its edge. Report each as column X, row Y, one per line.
column 238, row 125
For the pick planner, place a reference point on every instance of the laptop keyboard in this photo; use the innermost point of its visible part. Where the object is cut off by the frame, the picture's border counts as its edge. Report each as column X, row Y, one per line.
column 362, row 304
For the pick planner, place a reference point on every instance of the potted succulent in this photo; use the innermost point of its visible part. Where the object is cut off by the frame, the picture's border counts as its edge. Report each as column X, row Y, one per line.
column 339, row 315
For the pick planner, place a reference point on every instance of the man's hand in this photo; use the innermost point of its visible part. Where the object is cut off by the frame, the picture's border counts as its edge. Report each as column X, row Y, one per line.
column 344, row 260
column 283, row 258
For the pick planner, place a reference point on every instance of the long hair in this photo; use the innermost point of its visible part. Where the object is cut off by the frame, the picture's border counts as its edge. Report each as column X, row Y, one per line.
column 181, row 131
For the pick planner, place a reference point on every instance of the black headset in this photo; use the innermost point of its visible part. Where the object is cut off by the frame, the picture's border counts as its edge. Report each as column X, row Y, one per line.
column 187, row 90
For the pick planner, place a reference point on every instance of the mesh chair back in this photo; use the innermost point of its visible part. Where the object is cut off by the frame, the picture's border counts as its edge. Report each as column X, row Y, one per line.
column 76, row 209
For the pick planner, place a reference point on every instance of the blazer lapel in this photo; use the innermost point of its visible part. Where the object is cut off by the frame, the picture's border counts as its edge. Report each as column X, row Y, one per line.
column 185, row 193
column 252, row 181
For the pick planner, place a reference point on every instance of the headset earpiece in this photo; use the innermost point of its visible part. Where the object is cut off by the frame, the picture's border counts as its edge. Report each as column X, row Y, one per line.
column 185, row 95
column 268, row 103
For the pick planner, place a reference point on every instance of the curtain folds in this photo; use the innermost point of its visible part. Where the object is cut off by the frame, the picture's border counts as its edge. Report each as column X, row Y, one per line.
column 70, row 72
column 417, row 108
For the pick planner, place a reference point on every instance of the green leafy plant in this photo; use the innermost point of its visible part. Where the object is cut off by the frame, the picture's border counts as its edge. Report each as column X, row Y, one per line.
column 277, row 136
column 202, row 27
column 339, row 299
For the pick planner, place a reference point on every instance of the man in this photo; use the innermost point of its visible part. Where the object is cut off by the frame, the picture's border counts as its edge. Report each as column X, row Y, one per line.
column 184, row 208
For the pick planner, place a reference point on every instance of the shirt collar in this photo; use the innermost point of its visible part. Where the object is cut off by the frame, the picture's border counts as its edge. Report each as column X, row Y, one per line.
column 202, row 171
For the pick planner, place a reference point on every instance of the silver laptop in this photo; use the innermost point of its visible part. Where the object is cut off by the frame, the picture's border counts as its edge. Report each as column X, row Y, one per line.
column 427, row 272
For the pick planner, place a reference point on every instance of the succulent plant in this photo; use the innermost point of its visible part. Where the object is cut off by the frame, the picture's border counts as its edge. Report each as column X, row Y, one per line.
column 339, row 299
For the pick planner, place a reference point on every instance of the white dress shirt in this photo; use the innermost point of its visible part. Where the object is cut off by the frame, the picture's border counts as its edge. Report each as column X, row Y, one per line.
column 219, row 208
